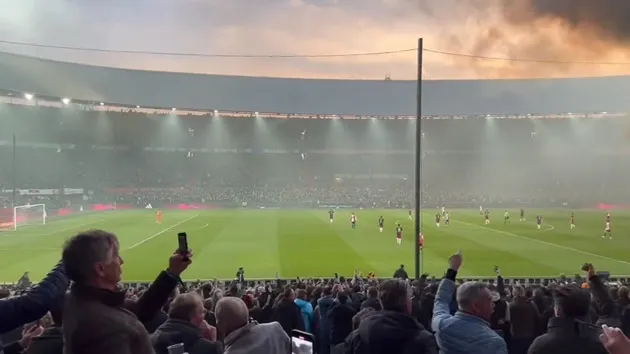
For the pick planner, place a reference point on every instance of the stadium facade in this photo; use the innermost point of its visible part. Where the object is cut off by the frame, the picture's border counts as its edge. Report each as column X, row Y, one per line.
column 360, row 97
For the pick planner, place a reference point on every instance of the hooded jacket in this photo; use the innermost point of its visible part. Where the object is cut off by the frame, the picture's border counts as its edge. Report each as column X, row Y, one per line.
column 179, row 331
column 390, row 332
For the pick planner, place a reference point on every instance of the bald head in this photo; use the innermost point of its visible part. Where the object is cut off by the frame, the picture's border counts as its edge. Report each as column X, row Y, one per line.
column 231, row 314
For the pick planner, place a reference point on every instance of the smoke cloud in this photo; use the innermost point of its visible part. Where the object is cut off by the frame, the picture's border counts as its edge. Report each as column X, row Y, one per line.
column 607, row 19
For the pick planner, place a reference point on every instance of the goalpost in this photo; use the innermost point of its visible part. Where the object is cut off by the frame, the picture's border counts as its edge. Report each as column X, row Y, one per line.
column 29, row 215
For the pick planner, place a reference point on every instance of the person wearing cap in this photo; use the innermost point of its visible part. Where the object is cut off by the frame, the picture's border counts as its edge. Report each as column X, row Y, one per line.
column 468, row 331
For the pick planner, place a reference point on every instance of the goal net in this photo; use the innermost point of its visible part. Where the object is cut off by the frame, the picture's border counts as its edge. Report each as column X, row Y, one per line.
column 29, row 215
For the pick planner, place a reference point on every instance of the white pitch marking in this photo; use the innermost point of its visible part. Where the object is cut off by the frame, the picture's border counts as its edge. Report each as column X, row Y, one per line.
column 161, row 232
column 547, row 243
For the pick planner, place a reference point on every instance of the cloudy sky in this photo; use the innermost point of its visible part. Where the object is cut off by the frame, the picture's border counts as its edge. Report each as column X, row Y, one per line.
column 522, row 29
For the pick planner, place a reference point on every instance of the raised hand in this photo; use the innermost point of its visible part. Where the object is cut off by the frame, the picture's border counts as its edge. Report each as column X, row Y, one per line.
column 455, row 261
column 178, row 263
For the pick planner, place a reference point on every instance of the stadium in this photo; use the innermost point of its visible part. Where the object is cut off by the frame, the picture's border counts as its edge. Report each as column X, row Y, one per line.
column 250, row 168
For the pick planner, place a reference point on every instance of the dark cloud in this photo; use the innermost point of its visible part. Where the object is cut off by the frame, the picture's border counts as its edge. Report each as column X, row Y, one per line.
column 608, row 19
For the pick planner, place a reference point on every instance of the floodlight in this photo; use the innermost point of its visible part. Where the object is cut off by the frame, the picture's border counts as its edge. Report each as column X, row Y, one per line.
column 65, row 100
column 102, row 104
column 173, row 109
column 28, row 96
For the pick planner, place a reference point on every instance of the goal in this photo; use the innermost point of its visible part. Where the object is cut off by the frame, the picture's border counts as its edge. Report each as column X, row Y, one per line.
column 29, row 215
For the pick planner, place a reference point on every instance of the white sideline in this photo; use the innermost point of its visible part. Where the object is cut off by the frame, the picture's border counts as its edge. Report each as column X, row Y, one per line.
column 161, row 232
column 547, row 243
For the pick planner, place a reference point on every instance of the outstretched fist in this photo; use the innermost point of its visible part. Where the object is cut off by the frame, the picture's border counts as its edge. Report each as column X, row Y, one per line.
column 455, row 261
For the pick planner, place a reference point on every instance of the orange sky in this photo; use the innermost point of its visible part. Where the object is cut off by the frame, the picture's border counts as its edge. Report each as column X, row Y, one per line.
column 307, row 27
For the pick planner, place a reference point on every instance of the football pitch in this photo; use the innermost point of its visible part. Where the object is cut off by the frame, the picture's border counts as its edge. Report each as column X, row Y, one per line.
column 302, row 243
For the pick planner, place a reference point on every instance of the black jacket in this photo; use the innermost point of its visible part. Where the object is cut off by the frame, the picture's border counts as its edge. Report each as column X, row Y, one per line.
column 567, row 336
column 340, row 317
column 178, row 331
column 524, row 318
column 390, row 332
column 50, row 342
column 401, row 273
column 288, row 314
column 372, row 302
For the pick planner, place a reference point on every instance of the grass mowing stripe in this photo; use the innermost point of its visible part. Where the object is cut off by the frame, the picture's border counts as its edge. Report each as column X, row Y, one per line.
column 161, row 232
column 547, row 243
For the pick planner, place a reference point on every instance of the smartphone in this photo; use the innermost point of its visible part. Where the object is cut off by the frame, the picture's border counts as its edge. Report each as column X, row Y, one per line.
column 182, row 239
column 301, row 342
column 176, row 349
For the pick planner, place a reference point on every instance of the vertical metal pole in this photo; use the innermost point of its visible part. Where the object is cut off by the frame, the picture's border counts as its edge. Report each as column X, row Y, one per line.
column 418, row 157
column 14, row 175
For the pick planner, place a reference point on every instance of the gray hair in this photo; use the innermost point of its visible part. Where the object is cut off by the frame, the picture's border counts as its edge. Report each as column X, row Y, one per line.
column 185, row 306
column 231, row 314
column 83, row 251
column 468, row 293
column 394, row 295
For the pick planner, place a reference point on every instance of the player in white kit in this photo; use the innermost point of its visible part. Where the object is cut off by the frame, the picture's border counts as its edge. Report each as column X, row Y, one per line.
column 608, row 229
column 353, row 221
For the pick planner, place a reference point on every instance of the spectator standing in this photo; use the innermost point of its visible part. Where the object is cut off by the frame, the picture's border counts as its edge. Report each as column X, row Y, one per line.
column 324, row 304
column 186, row 324
column 244, row 337
column 568, row 332
column 340, row 317
column 372, row 300
column 392, row 330
column 306, row 309
column 97, row 317
column 401, row 273
column 287, row 313
column 468, row 331
column 523, row 321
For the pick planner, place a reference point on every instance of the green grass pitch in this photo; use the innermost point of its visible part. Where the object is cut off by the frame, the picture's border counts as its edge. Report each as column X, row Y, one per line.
column 303, row 243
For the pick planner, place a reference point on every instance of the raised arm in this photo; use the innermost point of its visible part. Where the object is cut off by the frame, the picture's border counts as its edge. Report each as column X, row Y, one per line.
column 33, row 305
column 444, row 296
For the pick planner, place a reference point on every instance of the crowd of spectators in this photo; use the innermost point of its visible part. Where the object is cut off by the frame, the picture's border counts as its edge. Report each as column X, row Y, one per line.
column 82, row 307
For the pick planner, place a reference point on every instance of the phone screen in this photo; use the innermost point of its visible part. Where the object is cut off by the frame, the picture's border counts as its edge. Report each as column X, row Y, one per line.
column 301, row 342
column 182, row 239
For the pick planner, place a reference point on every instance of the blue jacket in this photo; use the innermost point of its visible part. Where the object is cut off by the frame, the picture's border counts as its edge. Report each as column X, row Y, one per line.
column 32, row 306
column 306, row 309
column 462, row 333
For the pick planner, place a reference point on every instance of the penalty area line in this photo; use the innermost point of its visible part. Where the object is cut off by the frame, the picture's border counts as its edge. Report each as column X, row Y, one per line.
column 548, row 243
column 161, row 232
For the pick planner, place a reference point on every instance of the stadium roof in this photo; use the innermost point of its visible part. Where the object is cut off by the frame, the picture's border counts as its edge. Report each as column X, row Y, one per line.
column 368, row 97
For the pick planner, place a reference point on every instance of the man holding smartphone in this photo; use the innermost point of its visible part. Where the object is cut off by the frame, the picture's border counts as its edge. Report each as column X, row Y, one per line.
column 98, row 318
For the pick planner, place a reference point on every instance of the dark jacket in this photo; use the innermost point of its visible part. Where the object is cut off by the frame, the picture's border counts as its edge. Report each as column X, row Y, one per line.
column 32, row 306
column 178, row 331
column 99, row 321
column 567, row 336
column 50, row 342
column 607, row 311
column 372, row 302
column 340, row 317
column 288, row 314
column 401, row 273
column 324, row 305
column 389, row 332
column 523, row 318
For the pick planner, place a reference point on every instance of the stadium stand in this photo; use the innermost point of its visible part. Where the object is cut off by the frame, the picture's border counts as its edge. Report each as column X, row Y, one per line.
column 87, row 155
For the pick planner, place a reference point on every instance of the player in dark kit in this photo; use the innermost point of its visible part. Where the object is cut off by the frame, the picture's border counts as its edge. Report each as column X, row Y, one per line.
column 331, row 215
column 353, row 221
column 538, row 221
column 399, row 231
column 522, row 215
column 381, row 222
column 572, row 221
column 410, row 217
column 487, row 217
column 437, row 220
